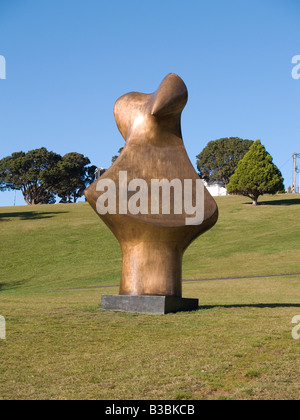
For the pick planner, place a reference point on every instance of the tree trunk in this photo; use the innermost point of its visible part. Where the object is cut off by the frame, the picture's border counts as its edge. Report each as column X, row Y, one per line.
column 26, row 198
column 254, row 199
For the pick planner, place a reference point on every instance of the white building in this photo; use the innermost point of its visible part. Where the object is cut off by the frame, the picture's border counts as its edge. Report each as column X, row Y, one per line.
column 216, row 189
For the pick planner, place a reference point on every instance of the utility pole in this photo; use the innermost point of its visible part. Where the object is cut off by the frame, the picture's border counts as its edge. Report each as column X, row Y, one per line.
column 295, row 155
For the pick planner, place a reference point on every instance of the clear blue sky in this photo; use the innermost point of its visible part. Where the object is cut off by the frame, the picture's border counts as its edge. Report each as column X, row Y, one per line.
column 68, row 61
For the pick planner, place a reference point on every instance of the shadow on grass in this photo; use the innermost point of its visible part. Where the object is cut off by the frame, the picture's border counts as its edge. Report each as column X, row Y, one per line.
column 29, row 215
column 288, row 202
column 252, row 305
column 9, row 286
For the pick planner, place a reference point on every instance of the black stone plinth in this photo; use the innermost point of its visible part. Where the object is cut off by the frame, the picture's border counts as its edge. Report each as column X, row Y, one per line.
column 157, row 305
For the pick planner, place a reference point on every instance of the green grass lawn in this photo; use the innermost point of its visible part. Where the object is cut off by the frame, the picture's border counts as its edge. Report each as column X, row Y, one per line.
column 238, row 345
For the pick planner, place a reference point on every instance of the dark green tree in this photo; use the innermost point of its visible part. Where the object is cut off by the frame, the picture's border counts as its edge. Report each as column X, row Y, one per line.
column 3, row 185
column 256, row 174
column 73, row 175
column 30, row 173
column 219, row 159
column 114, row 158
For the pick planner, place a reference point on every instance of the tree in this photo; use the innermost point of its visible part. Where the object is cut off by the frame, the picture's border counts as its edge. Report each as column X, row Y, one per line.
column 114, row 158
column 30, row 173
column 3, row 185
column 73, row 175
column 219, row 159
column 40, row 175
column 256, row 174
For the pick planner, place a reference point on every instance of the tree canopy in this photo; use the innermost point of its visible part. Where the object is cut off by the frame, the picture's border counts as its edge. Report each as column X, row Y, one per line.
column 219, row 159
column 74, row 176
column 114, row 158
column 256, row 174
column 40, row 175
column 30, row 173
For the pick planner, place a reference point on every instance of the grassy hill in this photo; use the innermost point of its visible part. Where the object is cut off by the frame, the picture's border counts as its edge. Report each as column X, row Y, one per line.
column 56, row 261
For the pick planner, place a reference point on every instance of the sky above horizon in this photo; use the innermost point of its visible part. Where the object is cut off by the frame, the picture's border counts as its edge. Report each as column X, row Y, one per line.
column 68, row 62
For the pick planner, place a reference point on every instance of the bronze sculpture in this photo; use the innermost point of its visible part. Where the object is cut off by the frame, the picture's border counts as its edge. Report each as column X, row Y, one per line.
column 152, row 231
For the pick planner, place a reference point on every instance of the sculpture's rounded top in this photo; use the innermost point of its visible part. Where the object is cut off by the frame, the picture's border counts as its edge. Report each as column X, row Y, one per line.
column 165, row 104
column 171, row 96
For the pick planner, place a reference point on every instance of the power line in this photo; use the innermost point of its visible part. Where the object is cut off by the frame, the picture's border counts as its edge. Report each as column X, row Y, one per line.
column 288, row 161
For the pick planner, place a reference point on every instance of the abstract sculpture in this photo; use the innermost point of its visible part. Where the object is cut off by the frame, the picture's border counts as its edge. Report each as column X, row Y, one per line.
column 152, row 200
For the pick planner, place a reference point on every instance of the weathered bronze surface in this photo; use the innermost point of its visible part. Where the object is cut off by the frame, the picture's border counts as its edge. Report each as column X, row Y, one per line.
column 153, row 244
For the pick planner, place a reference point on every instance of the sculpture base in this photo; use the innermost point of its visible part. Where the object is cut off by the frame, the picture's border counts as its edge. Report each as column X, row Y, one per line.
column 144, row 304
